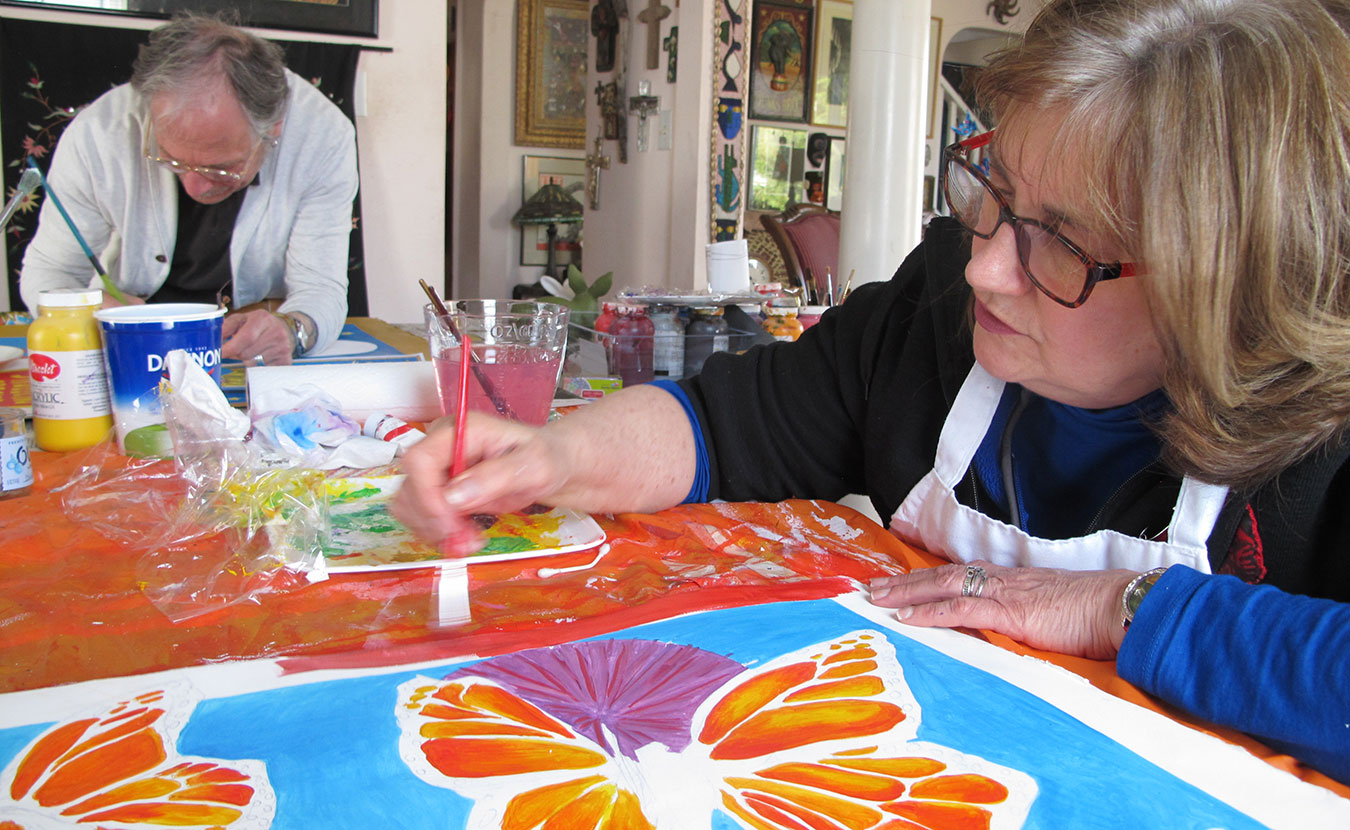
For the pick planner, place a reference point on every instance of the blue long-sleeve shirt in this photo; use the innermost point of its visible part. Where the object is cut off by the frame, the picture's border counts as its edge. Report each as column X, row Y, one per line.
column 1271, row 664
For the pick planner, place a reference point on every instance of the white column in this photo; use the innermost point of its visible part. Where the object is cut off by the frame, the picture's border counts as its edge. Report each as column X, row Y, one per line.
column 887, row 99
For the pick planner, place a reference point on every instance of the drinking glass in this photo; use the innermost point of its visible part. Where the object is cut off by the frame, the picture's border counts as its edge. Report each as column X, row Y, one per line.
column 517, row 354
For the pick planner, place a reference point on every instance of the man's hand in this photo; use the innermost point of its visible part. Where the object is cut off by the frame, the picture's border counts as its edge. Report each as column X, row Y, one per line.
column 109, row 301
column 258, row 338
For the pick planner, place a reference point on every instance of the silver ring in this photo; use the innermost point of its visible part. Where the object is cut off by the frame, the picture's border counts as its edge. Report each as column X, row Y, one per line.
column 258, row 361
column 973, row 584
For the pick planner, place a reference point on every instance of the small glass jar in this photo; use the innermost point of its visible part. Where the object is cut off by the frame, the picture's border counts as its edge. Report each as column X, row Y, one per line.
column 16, row 465
column 707, row 332
column 810, row 315
column 781, row 322
column 668, row 339
column 630, row 345
column 607, row 316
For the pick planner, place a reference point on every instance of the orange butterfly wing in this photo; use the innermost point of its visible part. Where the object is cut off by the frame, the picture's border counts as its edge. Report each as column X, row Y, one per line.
column 120, row 769
column 823, row 738
column 472, row 736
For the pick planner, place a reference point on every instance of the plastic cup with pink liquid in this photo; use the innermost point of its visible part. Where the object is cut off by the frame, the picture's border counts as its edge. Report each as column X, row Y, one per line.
column 517, row 349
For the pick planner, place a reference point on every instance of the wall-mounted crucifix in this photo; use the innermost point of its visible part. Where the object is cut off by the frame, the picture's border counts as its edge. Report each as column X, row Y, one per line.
column 652, row 16
column 644, row 104
column 595, row 162
column 672, row 46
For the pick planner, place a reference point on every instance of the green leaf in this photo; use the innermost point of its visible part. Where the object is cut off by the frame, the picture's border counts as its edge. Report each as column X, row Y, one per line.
column 602, row 284
column 575, row 280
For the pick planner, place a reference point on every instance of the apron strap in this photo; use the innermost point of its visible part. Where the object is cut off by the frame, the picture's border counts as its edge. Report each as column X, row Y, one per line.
column 969, row 419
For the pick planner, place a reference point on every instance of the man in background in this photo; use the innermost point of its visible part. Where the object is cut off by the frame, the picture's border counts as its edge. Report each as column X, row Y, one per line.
column 215, row 175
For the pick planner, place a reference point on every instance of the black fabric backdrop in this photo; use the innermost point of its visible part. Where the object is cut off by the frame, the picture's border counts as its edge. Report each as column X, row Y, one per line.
column 48, row 71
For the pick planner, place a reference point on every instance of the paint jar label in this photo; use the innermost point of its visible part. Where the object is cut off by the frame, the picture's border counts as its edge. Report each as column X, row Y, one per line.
column 68, row 386
column 16, row 465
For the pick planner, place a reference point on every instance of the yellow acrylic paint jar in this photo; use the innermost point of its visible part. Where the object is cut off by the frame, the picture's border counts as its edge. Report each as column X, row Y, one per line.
column 66, row 372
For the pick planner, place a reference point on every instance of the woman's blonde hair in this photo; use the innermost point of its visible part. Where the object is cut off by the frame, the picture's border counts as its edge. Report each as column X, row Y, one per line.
column 1214, row 138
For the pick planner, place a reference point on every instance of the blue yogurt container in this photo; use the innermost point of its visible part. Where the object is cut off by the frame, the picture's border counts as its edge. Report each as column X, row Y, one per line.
column 135, row 340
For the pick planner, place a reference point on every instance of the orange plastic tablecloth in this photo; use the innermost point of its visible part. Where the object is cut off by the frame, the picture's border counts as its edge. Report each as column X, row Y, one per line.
column 73, row 603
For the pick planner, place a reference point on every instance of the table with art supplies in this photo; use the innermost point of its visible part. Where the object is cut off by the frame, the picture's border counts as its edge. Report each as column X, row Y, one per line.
column 199, row 641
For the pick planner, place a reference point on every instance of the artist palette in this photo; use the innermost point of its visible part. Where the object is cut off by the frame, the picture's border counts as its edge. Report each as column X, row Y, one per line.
column 366, row 537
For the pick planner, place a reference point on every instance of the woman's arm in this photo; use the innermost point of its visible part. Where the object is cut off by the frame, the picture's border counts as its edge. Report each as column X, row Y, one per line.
column 1254, row 658
column 632, row 451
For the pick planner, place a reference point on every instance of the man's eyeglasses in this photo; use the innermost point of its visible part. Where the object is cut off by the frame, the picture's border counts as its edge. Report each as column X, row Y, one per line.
column 1056, row 266
column 215, row 175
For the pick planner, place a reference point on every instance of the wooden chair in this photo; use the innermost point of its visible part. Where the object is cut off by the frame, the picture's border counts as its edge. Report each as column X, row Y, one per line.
column 808, row 236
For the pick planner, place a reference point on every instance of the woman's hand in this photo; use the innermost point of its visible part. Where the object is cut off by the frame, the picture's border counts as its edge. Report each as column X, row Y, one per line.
column 1072, row 612
column 632, row 451
column 508, row 466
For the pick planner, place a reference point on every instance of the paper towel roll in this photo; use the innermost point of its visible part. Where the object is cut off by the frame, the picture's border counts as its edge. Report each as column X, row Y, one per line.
column 406, row 390
column 729, row 267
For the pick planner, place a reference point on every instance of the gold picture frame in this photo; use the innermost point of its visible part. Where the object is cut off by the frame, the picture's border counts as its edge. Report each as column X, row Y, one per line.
column 834, row 38
column 551, row 40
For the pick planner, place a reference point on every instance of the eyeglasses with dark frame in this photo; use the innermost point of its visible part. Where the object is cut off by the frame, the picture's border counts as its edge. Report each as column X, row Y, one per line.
column 1054, row 264
column 216, row 175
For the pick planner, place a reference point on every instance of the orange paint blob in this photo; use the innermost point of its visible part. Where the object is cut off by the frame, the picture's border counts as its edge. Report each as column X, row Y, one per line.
column 970, row 787
column 831, row 779
column 792, row 726
column 485, row 757
column 750, row 696
column 868, row 686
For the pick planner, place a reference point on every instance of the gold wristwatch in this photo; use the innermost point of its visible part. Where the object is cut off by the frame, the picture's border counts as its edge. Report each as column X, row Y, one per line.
column 1135, row 592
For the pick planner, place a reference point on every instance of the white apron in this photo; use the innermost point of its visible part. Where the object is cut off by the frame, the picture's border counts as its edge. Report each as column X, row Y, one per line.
column 931, row 518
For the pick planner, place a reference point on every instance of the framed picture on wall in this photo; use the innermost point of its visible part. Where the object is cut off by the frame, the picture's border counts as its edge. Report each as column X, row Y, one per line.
column 570, row 174
column 834, row 175
column 551, row 40
column 345, row 17
column 778, row 168
column 780, row 60
column 829, row 87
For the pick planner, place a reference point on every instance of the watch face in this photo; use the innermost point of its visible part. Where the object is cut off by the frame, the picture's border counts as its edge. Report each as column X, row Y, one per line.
column 1137, row 589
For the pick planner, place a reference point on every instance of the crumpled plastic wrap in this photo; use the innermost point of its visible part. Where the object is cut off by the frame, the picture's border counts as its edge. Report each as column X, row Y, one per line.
column 226, row 520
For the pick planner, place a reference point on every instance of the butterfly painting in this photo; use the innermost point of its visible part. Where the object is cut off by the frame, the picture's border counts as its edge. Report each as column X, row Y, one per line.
column 646, row 734
column 812, row 715
column 119, row 769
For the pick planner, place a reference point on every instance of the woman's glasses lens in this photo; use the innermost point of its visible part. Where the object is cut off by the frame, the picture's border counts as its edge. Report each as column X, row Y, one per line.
column 1050, row 265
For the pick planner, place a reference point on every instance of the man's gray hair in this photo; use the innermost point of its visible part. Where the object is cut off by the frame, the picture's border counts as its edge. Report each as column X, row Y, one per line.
column 192, row 49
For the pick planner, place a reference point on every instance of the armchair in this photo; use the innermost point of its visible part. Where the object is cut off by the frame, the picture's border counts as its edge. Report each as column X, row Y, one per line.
column 808, row 236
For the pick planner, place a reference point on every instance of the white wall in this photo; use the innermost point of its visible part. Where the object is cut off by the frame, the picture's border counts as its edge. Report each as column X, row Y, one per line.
column 642, row 231
column 401, row 139
column 652, row 226
column 489, row 167
column 402, row 145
